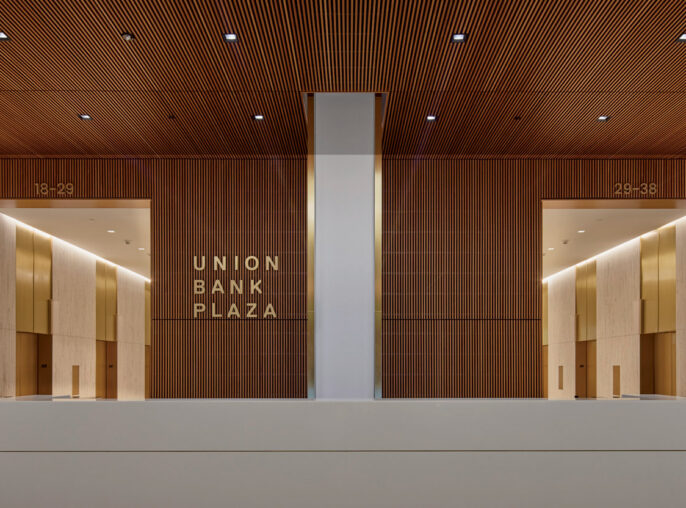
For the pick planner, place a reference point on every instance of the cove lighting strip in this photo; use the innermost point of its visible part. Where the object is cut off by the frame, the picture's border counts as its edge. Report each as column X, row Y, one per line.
column 616, row 247
column 71, row 245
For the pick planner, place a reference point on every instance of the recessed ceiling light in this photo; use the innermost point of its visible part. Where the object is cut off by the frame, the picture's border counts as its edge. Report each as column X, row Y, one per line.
column 230, row 37
column 141, row 248
column 459, row 37
column 581, row 231
column 682, row 37
column 258, row 117
column 431, row 118
column 128, row 36
column 551, row 248
column 85, row 117
column 111, row 231
column 3, row 35
column 603, row 118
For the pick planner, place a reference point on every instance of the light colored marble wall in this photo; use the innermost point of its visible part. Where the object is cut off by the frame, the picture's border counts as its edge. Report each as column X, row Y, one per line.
column 73, row 293
column 8, row 328
column 130, row 336
column 681, row 308
column 562, row 334
column 618, row 279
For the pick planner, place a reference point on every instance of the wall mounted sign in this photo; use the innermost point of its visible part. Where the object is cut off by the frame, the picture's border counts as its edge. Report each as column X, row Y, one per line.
column 226, row 286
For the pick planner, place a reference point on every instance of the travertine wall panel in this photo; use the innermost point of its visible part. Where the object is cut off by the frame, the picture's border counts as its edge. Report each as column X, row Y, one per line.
column 619, row 318
column 130, row 336
column 561, row 334
column 7, row 307
column 73, row 293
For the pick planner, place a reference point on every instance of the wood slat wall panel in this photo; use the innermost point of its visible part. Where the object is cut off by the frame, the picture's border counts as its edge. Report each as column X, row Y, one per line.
column 207, row 206
column 462, row 265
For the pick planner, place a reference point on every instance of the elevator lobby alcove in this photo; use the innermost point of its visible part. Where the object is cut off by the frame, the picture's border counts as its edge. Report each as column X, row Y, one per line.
column 79, row 302
column 613, row 274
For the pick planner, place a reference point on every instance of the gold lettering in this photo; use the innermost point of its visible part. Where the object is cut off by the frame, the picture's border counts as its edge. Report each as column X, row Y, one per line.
column 255, row 286
column 198, row 287
column 274, row 263
column 217, row 287
column 254, row 265
column 239, row 287
column 214, row 311
column 269, row 311
column 195, row 263
column 220, row 263
column 233, row 311
column 197, row 309
column 251, row 310
column 235, row 263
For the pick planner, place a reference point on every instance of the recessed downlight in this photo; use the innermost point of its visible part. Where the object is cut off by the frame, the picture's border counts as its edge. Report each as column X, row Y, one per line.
column 85, row 117
column 258, row 117
column 603, row 118
column 551, row 248
column 458, row 37
column 581, row 231
column 231, row 37
column 430, row 118
column 111, row 231
column 127, row 36
column 141, row 248
column 3, row 36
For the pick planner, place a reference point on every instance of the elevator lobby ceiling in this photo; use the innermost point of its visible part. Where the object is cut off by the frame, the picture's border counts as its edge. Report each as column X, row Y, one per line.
column 571, row 236
column 531, row 79
column 119, row 235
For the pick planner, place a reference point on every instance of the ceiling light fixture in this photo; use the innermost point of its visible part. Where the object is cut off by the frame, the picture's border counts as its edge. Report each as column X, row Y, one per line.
column 603, row 118
column 230, row 37
column 431, row 118
column 128, row 36
column 682, row 37
column 111, row 231
column 3, row 36
column 551, row 248
column 141, row 248
column 459, row 38
column 85, row 117
column 581, row 231
column 258, row 117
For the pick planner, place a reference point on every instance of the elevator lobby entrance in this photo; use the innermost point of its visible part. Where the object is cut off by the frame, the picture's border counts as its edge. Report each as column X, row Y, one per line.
column 79, row 298
column 612, row 276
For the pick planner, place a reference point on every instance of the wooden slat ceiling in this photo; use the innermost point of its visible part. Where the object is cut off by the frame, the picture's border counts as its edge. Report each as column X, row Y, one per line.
column 557, row 65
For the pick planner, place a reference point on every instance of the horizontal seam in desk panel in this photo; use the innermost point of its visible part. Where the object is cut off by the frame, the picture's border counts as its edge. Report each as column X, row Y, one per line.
column 458, row 319
column 354, row 451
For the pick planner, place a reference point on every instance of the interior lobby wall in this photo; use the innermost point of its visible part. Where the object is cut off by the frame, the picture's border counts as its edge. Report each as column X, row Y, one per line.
column 73, row 325
column 681, row 305
column 461, row 276
column 562, row 335
column 8, row 329
column 618, row 279
column 206, row 206
column 130, row 336
column 462, row 264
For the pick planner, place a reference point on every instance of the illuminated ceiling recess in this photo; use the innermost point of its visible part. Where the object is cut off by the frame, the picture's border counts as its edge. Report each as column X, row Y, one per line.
column 606, row 229
column 87, row 230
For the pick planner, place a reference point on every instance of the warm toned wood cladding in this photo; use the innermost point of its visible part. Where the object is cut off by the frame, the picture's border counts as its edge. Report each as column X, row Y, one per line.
column 206, row 206
column 462, row 265
column 531, row 78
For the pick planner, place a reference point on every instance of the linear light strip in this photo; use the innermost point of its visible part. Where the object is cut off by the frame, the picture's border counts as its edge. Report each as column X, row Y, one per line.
column 76, row 247
column 613, row 248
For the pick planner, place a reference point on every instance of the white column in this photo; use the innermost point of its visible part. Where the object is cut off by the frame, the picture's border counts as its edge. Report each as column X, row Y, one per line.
column 344, row 246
